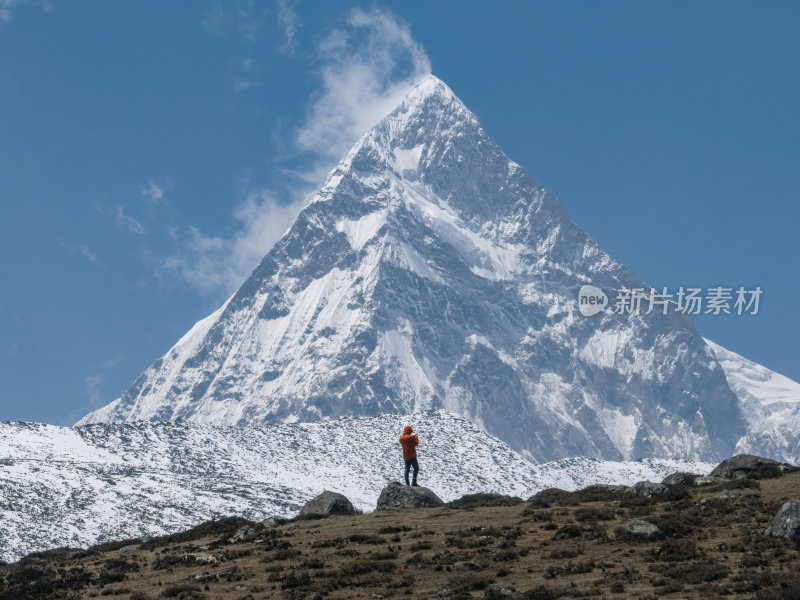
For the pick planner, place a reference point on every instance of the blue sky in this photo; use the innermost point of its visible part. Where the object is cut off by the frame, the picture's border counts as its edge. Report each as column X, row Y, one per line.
column 151, row 152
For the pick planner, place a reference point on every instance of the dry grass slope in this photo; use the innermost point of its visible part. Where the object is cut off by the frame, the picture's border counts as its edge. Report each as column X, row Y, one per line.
column 479, row 547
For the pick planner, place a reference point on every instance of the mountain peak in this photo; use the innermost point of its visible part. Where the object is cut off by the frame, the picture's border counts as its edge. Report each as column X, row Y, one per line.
column 429, row 87
column 433, row 272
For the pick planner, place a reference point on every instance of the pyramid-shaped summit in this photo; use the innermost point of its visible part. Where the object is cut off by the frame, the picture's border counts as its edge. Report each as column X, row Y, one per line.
column 430, row 271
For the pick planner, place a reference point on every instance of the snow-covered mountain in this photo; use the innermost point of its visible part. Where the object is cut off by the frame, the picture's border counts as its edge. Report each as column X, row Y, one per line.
column 770, row 404
column 79, row 486
column 430, row 271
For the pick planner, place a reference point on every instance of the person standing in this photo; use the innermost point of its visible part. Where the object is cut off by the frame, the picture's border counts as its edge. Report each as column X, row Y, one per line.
column 409, row 441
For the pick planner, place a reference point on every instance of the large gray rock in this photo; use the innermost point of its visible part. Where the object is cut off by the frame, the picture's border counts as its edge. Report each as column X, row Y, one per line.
column 786, row 522
column 397, row 495
column 679, row 479
column 329, row 503
column 649, row 489
column 743, row 464
column 638, row 529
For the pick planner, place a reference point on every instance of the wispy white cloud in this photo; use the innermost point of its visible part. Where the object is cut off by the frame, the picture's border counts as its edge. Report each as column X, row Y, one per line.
column 126, row 222
column 112, row 362
column 368, row 66
column 80, row 249
column 365, row 67
column 152, row 192
column 93, row 390
column 289, row 22
column 216, row 265
column 243, row 18
column 8, row 7
column 241, row 85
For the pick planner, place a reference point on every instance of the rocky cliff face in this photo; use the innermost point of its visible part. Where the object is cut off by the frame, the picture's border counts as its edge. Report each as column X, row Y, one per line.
column 430, row 271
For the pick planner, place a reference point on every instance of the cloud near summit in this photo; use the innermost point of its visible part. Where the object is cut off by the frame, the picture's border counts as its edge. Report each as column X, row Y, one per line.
column 365, row 66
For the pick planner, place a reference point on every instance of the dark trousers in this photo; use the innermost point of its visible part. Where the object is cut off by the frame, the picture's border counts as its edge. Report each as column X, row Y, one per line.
column 412, row 463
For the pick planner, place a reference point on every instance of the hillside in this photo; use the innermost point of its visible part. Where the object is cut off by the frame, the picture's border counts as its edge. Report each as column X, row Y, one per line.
column 709, row 547
column 63, row 486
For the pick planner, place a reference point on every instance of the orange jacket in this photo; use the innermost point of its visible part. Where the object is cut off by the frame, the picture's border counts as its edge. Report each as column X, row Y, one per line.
column 409, row 443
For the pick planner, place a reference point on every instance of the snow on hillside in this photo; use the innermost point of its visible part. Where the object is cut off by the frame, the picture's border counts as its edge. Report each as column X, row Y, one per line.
column 79, row 486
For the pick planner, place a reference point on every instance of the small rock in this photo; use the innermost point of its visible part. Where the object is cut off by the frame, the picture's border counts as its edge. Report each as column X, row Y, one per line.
column 465, row 564
column 703, row 481
column 397, row 495
column 442, row 593
column 786, row 522
column 648, row 489
column 241, row 588
column 499, row 592
column 270, row 522
column 329, row 503
column 242, row 533
column 727, row 495
column 314, row 597
column 376, row 596
column 204, row 558
column 639, row 529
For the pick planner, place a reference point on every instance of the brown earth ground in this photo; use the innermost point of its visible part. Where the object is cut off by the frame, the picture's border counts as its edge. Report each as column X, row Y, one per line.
column 474, row 548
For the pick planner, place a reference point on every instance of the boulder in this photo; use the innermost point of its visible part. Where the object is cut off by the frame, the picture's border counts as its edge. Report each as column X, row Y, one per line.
column 329, row 503
column 649, row 489
column 397, row 495
column 638, row 529
column 743, row 465
column 680, row 479
column 786, row 522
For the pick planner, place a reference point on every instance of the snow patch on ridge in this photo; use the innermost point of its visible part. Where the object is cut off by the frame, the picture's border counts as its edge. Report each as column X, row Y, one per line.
column 406, row 160
column 360, row 231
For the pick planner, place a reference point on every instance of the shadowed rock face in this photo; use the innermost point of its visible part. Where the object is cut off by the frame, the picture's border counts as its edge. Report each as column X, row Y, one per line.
column 648, row 489
column 397, row 495
column 430, row 271
column 329, row 503
column 680, row 479
column 743, row 464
